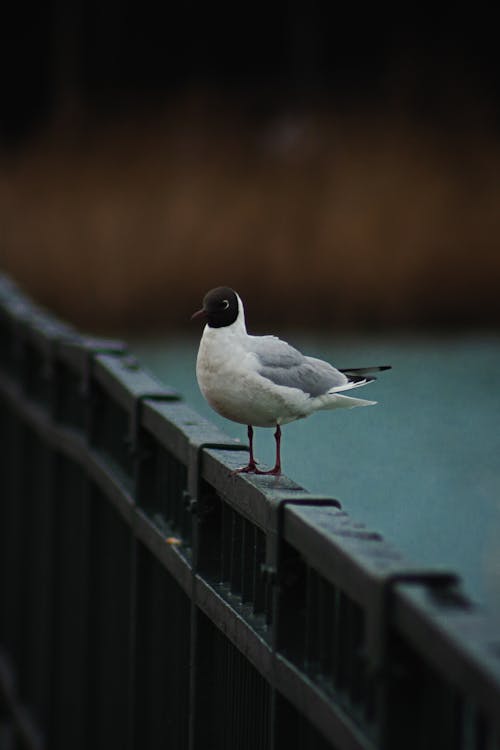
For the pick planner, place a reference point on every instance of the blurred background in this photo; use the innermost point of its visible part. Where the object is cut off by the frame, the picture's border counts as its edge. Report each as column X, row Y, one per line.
column 346, row 157
column 338, row 167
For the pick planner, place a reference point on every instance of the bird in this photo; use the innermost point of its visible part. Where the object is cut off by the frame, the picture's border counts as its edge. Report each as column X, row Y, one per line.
column 262, row 381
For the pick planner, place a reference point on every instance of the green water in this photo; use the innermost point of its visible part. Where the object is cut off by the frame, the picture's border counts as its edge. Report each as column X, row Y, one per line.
column 422, row 467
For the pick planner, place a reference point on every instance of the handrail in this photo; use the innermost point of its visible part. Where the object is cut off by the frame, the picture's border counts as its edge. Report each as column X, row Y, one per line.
column 140, row 577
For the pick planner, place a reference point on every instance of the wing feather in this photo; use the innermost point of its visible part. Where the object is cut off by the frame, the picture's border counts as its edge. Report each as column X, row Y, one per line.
column 284, row 365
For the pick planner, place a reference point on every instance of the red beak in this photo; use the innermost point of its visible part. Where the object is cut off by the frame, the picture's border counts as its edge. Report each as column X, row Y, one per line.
column 200, row 314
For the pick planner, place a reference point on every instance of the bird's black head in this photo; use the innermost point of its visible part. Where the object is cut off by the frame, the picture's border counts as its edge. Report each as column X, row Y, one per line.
column 220, row 307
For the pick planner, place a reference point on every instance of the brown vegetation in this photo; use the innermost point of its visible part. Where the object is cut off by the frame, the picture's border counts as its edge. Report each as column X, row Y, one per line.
column 315, row 219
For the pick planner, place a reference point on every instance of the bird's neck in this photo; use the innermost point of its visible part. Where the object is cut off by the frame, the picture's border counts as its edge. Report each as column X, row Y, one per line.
column 236, row 329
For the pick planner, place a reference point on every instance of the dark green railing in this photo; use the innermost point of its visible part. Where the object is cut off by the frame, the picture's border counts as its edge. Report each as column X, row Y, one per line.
column 152, row 599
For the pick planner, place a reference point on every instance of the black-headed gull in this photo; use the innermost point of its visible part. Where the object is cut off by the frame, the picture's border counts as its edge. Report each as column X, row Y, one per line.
column 262, row 381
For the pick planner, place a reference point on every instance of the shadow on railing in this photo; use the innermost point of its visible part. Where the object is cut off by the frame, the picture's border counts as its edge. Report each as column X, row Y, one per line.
column 150, row 598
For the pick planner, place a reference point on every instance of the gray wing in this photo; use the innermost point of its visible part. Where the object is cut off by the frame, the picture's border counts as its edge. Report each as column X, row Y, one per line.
column 283, row 365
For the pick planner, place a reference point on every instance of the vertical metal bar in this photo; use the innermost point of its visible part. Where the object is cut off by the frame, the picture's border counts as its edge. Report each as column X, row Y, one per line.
column 248, row 562
column 196, row 634
column 311, row 621
column 356, row 678
column 259, row 586
column 109, row 626
column 161, row 674
column 37, row 587
column 132, row 642
column 14, row 546
column 341, row 642
column 227, row 522
column 69, row 716
column 167, row 485
column 325, row 623
column 236, row 554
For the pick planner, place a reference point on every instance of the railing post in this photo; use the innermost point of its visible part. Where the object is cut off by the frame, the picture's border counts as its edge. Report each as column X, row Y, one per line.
column 195, row 499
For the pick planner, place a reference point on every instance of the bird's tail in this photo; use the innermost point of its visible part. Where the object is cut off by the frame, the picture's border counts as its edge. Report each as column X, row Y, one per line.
column 356, row 377
column 339, row 401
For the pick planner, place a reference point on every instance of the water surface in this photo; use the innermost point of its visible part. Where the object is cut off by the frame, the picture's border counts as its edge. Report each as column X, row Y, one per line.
column 422, row 467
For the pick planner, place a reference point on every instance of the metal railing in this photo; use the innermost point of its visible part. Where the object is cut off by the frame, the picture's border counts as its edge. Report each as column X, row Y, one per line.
column 152, row 599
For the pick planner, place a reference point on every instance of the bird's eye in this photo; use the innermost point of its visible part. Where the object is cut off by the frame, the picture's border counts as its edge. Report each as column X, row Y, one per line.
column 225, row 304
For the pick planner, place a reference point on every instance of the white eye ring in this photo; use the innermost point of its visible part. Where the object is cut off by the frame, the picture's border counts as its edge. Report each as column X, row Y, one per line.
column 225, row 304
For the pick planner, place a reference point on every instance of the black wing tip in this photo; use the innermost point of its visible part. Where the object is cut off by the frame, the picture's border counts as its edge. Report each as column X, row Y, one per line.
column 356, row 371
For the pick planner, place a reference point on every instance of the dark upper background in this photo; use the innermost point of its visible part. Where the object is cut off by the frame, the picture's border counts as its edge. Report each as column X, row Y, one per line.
column 343, row 160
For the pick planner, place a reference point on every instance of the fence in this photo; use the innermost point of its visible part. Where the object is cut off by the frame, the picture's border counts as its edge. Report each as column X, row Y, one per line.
column 152, row 599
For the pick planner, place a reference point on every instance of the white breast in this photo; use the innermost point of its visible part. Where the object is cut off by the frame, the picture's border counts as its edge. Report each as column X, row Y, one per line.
column 228, row 378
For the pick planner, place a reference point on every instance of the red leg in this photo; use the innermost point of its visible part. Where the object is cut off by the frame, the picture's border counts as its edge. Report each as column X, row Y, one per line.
column 277, row 467
column 250, row 444
column 251, row 467
column 277, row 437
